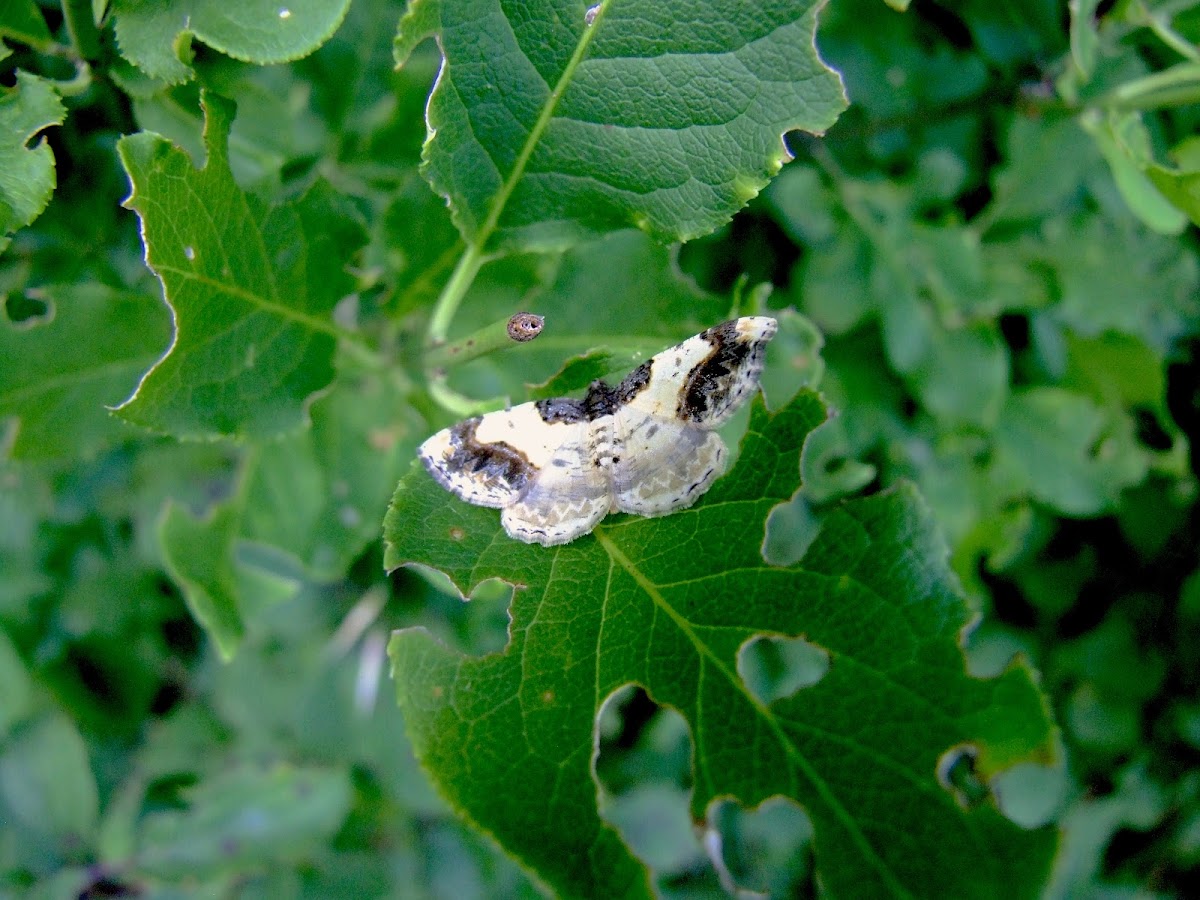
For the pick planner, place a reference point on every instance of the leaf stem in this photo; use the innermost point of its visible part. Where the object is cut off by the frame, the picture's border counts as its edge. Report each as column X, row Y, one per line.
column 453, row 293
column 489, row 339
column 458, row 404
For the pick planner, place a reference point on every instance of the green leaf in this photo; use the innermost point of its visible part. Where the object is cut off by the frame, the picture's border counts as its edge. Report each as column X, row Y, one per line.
column 580, row 371
column 1014, row 31
column 1181, row 184
column 1116, row 370
column 551, row 122
column 22, row 21
column 47, row 789
column 252, row 289
column 1085, row 39
column 622, row 295
column 669, row 604
column 243, row 818
column 1125, row 142
column 964, row 376
column 320, row 494
column 53, row 371
column 305, row 506
column 196, row 553
column 1044, row 166
column 1070, row 453
column 26, row 173
column 155, row 35
column 1114, row 275
column 16, row 687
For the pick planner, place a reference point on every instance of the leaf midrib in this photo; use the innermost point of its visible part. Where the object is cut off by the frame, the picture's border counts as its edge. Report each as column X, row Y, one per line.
column 735, row 682
column 535, row 133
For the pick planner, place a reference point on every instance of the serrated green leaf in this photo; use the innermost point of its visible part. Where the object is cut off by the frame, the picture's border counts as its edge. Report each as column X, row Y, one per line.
column 58, row 380
column 155, row 35
column 551, row 122
column 667, row 604
column 26, row 173
column 252, row 288
column 22, row 21
column 243, row 818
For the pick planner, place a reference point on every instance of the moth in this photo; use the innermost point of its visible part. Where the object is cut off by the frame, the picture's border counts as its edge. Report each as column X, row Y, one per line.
column 646, row 446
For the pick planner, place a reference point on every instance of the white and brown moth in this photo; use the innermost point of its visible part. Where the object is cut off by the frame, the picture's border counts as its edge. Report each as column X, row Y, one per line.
column 646, row 446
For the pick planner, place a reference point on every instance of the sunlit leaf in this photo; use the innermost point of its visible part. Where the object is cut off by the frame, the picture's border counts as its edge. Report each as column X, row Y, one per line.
column 552, row 122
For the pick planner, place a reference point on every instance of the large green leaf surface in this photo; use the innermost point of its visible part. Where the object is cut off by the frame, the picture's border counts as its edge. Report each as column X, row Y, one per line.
column 252, row 287
column 26, row 173
column 668, row 604
column 155, row 34
column 552, row 121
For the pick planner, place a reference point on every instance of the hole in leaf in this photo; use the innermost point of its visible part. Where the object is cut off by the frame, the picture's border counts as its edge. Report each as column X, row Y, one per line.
column 956, row 773
column 478, row 626
column 767, row 850
column 23, row 309
column 1031, row 795
column 644, row 770
column 776, row 667
column 791, row 529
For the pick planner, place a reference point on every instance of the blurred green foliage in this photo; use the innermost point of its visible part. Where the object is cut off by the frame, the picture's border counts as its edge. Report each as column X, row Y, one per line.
column 993, row 264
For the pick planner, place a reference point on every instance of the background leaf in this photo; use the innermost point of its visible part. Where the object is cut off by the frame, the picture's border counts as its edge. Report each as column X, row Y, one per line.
column 59, row 383
column 156, row 36
column 26, row 173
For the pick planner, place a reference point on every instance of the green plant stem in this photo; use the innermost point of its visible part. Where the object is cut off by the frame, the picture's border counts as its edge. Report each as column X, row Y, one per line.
column 1176, row 86
column 489, row 339
column 454, row 402
column 452, row 294
column 82, row 28
column 1158, row 20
